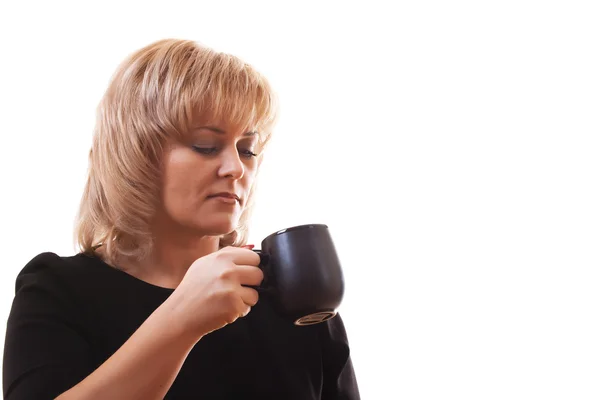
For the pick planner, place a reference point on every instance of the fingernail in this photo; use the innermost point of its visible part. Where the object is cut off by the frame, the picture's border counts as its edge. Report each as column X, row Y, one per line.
column 248, row 246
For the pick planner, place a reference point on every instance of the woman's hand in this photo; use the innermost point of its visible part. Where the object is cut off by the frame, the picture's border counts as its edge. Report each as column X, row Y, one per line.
column 214, row 292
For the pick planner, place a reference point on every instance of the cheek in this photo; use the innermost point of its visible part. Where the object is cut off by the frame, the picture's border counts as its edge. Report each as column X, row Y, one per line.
column 172, row 173
column 183, row 177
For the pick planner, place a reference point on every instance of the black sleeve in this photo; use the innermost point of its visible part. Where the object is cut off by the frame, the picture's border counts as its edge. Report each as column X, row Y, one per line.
column 44, row 352
column 339, row 381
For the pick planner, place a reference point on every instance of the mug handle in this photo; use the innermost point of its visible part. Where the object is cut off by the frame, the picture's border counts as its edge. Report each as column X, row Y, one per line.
column 264, row 287
column 264, row 258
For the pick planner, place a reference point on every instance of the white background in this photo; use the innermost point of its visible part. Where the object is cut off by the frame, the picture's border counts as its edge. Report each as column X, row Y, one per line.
column 452, row 148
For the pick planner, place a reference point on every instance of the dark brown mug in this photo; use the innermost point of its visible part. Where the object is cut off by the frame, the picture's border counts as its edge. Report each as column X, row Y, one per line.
column 303, row 275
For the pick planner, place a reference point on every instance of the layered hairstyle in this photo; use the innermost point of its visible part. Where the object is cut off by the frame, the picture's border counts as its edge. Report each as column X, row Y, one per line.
column 155, row 95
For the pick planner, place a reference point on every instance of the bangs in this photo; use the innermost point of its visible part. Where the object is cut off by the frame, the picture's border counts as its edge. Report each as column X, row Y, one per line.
column 236, row 96
column 218, row 88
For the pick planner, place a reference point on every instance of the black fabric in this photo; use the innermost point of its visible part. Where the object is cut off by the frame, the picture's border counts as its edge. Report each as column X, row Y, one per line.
column 70, row 314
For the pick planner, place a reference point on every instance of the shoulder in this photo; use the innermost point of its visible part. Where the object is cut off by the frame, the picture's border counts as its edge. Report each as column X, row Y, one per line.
column 50, row 269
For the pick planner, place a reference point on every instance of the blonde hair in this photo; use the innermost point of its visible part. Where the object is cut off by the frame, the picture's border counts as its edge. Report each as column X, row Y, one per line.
column 154, row 96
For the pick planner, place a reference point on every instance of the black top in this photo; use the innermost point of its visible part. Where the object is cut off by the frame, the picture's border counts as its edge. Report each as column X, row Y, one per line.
column 70, row 314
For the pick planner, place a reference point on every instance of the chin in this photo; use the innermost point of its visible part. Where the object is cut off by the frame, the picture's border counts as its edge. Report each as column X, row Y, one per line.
column 216, row 228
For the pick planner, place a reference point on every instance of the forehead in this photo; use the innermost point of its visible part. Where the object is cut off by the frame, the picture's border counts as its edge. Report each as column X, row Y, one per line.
column 224, row 125
column 224, row 132
column 224, row 128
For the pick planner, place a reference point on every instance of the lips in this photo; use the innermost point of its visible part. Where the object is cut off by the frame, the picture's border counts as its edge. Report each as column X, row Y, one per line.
column 226, row 195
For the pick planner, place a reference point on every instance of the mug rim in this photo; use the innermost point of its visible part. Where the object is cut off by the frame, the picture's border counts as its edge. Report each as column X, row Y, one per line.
column 297, row 227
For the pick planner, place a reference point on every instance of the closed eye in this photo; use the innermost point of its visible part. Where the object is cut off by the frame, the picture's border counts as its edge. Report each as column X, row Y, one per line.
column 205, row 150
column 214, row 150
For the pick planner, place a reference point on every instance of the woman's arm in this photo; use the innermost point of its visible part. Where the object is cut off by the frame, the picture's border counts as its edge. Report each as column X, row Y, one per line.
column 211, row 295
column 145, row 366
column 47, row 356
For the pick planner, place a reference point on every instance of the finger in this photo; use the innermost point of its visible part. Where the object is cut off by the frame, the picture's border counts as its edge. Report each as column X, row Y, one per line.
column 243, row 256
column 242, row 308
column 249, row 275
column 249, row 296
column 246, row 311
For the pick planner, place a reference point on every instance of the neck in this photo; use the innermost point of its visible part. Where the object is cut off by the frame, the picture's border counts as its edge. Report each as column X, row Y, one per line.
column 171, row 256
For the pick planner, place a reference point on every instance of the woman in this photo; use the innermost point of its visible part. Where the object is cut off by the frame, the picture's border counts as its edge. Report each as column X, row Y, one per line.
column 158, row 304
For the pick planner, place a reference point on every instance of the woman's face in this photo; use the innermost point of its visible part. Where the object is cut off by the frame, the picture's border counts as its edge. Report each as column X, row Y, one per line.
column 207, row 177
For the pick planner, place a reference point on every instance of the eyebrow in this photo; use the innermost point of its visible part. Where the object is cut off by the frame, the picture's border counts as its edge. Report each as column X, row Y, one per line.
column 222, row 132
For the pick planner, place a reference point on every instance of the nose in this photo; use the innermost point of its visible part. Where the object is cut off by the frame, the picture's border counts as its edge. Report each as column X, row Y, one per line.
column 231, row 165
